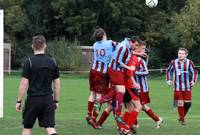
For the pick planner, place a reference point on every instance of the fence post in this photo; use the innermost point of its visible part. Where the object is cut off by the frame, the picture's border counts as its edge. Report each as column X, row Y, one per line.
column 1, row 63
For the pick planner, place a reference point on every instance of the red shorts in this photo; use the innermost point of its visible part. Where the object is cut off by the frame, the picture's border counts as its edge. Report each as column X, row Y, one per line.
column 182, row 95
column 99, row 82
column 144, row 97
column 116, row 77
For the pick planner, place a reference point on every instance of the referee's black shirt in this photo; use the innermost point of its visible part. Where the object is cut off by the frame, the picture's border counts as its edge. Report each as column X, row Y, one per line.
column 40, row 70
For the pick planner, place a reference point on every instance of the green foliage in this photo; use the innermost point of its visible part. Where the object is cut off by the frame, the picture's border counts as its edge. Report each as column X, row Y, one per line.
column 154, row 61
column 66, row 53
column 41, row 15
column 170, row 25
column 185, row 26
column 20, row 51
column 16, row 21
column 194, row 55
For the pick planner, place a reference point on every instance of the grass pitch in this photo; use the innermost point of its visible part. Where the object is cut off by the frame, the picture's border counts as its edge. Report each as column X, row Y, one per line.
column 70, row 117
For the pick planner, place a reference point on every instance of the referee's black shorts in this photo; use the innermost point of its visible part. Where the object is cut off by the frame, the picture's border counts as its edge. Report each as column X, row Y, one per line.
column 41, row 107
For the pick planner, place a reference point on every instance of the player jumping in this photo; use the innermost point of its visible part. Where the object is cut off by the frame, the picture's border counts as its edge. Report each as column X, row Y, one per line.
column 98, row 78
column 143, row 92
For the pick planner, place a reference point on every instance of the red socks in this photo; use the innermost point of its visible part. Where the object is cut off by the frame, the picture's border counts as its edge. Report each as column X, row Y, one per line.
column 102, row 118
column 181, row 112
column 94, row 116
column 90, row 108
column 126, row 116
column 151, row 114
column 132, row 118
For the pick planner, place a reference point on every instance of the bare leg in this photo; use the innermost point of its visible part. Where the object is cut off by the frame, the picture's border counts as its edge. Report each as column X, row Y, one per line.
column 138, row 105
column 26, row 131
column 51, row 131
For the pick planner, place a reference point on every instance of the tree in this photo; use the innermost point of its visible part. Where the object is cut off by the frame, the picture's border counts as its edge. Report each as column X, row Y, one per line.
column 161, row 26
column 185, row 30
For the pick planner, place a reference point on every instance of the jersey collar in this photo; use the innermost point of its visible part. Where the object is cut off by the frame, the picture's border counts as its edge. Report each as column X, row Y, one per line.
column 183, row 60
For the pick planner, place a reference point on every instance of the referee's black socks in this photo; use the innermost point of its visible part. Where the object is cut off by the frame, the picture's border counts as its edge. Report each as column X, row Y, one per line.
column 54, row 134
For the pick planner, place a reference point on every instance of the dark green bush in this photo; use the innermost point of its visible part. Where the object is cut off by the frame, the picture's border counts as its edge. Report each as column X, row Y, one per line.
column 66, row 53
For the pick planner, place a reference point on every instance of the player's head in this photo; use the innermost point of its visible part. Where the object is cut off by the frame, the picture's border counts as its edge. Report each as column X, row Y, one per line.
column 182, row 53
column 134, row 42
column 39, row 43
column 142, row 47
column 99, row 34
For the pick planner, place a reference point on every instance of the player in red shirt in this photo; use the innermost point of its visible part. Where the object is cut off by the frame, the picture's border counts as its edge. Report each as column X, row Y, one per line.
column 131, row 100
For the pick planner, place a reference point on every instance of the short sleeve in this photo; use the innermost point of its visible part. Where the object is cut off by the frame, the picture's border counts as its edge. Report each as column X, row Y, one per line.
column 56, row 73
column 26, row 70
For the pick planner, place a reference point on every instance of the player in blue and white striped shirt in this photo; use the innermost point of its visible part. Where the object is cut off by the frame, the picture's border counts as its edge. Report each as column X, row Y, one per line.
column 116, row 66
column 143, row 93
column 184, row 76
column 98, row 77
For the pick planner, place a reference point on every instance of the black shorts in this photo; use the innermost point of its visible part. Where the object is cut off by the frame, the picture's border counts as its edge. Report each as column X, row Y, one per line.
column 127, row 97
column 41, row 107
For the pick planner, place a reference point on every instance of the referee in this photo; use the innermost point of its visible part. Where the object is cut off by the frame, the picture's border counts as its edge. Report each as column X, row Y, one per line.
column 38, row 73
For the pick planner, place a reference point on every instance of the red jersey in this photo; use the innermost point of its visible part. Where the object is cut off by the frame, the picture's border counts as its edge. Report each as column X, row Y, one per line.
column 133, row 61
